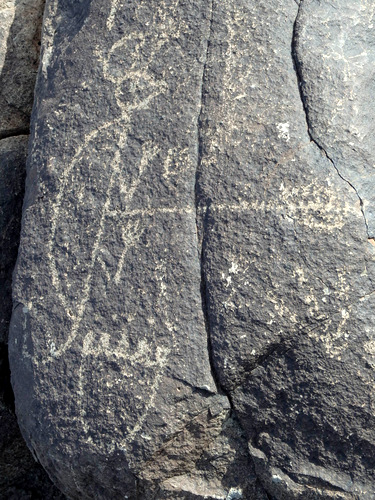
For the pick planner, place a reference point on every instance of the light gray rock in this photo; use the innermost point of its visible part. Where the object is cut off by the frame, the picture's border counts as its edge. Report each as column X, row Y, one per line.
column 20, row 25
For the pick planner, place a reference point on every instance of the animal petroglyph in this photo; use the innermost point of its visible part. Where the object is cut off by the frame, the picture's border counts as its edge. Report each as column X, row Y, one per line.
column 97, row 347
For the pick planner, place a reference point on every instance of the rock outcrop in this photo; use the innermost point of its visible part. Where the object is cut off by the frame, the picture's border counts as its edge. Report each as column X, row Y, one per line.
column 20, row 21
column 194, row 291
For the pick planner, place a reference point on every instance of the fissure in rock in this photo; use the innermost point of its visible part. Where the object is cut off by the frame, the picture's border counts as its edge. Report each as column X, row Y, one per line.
column 314, row 140
column 201, row 214
column 6, row 134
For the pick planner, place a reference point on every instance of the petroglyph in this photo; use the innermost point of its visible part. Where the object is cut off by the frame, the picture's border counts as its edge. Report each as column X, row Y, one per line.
column 127, row 190
column 97, row 347
column 295, row 204
column 110, row 218
column 198, row 243
column 144, row 90
column 148, row 355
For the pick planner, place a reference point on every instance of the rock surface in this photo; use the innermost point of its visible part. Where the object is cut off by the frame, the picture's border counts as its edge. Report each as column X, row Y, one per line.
column 21, row 477
column 114, row 344
column 193, row 304
column 20, row 25
column 288, row 259
column 12, row 180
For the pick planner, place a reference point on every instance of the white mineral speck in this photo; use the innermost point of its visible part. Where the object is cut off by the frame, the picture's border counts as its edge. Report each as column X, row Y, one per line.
column 283, row 129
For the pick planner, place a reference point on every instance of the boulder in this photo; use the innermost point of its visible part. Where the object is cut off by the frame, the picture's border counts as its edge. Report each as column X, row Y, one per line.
column 193, row 296
column 109, row 343
column 286, row 187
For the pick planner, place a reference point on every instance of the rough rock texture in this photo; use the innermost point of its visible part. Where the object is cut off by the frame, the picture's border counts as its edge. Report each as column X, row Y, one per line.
column 20, row 25
column 12, row 180
column 288, row 266
column 109, row 352
column 20, row 476
column 193, row 304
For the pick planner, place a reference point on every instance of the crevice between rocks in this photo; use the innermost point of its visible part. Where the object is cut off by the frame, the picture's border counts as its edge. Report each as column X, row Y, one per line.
column 202, row 212
column 6, row 134
column 201, row 215
column 200, row 218
column 198, row 390
column 300, row 81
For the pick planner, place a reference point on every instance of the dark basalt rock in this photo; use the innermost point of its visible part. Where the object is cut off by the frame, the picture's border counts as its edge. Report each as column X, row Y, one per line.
column 21, row 477
column 193, row 293
column 110, row 363
column 12, row 178
column 288, row 264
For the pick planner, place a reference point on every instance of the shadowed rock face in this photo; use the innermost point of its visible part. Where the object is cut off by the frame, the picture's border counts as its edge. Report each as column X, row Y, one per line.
column 194, row 287
column 12, row 178
column 20, row 22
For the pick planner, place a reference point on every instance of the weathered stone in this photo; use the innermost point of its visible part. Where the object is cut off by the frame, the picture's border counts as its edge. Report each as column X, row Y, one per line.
column 193, row 296
column 21, row 477
column 109, row 344
column 288, row 267
column 20, row 24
